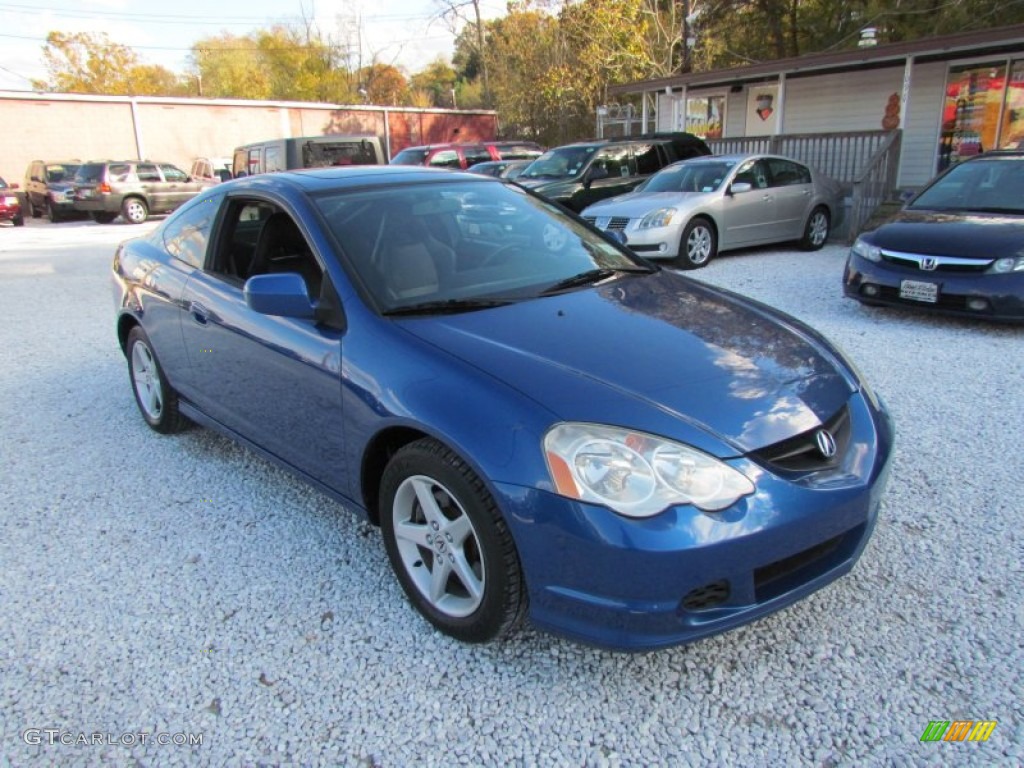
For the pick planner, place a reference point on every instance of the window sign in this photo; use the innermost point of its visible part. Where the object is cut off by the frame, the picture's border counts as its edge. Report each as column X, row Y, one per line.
column 705, row 116
column 1012, row 134
column 970, row 113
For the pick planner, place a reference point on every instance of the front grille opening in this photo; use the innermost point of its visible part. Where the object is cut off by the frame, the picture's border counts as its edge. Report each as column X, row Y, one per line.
column 709, row 596
column 801, row 454
column 771, row 580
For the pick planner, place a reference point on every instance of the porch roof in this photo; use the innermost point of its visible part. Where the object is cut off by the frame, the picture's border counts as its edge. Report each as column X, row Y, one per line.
column 1001, row 40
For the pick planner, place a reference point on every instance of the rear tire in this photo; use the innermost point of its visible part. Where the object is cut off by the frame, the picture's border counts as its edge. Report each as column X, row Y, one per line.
column 36, row 213
column 52, row 213
column 698, row 245
column 19, row 220
column 816, row 230
column 157, row 401
column 134, row 210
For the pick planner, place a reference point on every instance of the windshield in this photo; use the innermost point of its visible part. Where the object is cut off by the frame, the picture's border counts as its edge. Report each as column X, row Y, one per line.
column 411, row 156
column 452, row 244
column 690, row 177
column 561, row 163
column 993, row 184
column 55, row 173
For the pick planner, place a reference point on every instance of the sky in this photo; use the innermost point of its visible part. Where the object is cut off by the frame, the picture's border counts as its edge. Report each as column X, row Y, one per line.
column 406, row 33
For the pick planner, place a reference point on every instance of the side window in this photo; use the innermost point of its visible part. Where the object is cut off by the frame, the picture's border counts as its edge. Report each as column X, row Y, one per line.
column 616, row 161
column 121, row 172
column 446, row 158
column 187, row 233
column 262, row 239
column 173, row 174
column 752, row 172
column 273, row 159
column 476, row 155
column 254, row 161
column 786, row 172
column 648, row 158
column 147, row 172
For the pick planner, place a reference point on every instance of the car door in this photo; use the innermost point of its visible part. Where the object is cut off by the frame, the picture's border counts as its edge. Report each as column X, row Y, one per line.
column 275, row 381
column 747, row 216
column 152, row 185
column 177, row 186
column 791, row 184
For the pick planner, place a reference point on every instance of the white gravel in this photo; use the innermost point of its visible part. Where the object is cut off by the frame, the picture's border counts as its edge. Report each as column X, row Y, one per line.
column 183, row 585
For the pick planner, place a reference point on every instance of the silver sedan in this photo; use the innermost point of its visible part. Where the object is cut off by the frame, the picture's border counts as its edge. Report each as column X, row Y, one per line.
column 693, row 209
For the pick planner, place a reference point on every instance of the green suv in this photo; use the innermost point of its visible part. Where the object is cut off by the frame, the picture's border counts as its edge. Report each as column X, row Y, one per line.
column 132, row 188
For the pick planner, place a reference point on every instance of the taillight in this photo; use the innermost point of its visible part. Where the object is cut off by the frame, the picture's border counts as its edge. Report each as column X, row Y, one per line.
column 104, row 188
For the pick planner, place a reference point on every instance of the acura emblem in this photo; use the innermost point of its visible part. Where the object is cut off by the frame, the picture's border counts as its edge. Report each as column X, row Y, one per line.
column 826, row 443
column 929, row 263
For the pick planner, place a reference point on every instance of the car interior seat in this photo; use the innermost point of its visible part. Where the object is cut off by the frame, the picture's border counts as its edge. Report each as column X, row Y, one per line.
column 281, row 247
column 412, row 261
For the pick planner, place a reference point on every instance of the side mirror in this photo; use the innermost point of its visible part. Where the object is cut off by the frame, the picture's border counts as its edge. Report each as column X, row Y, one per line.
column 594, row 173
column 284, row 294
column 14, row 186
column 740, row 186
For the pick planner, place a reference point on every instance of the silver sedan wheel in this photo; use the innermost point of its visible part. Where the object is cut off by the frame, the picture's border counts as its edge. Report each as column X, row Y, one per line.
column 146, row 378
column 818, row 228
column 438, row 546
column 699, row 245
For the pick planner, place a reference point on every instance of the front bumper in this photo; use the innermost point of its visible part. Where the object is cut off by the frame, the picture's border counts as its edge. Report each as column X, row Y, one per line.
column 966, row 294
column 603, row 579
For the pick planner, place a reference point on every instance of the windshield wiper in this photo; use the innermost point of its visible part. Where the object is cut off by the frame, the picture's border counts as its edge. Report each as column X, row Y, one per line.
column 590, row 277
column 446, row 306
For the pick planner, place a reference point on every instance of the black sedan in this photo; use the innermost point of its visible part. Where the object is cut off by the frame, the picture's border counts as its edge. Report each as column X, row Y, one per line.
column 956, row 248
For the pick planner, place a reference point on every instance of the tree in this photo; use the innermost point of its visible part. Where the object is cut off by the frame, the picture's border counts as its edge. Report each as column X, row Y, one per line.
column 456, row 11
column 87, row 63
column 436, row 81
column 384, row 85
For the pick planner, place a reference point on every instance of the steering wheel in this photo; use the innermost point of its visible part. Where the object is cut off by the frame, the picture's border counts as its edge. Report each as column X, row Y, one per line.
column 501, row 255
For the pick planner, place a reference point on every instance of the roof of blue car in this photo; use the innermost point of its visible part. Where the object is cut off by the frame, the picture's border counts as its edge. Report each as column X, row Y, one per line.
column 315, row 179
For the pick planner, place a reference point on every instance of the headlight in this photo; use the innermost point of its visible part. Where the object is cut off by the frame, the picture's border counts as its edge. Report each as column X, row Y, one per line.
column 637, row 474
column 870, row 252
column 658, row 218
column 1002, row 266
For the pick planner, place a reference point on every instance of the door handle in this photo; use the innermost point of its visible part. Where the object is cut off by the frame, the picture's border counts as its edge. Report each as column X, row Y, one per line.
column 199, row 313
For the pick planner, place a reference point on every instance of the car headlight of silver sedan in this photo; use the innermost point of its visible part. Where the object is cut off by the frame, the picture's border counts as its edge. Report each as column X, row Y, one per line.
column 637, row 474
column 866, row 250
column 659, row 218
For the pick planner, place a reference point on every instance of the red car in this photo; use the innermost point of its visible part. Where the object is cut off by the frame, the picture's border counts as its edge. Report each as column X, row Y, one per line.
column 10, row 204
column 463, row 155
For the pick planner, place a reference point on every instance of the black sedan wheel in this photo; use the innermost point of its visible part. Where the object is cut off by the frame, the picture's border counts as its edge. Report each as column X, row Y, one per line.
column 699, row 244
column 157, row 402
column 817, row 229
column 449, row 545
column 134, row 210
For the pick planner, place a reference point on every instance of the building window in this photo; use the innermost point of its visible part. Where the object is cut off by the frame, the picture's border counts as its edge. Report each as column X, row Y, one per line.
column 971, row 111
column 705, row 116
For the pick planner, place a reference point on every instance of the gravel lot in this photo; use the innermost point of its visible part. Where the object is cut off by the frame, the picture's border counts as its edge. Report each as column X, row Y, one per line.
column 182, row 585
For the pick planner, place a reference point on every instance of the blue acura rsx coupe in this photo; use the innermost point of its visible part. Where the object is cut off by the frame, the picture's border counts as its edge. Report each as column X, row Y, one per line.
column 542, row 424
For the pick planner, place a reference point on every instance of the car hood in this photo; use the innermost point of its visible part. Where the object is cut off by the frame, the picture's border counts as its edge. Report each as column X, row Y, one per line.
column 641, row 203
column 966, row 235
column 640, row 348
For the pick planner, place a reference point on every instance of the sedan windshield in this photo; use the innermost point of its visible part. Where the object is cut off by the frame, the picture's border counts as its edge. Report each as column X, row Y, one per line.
column 456, row 246
column 561, row 163
column 689, row 177
column 993, row 185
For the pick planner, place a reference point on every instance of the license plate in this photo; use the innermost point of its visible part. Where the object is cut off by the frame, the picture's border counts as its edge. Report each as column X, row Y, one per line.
column 916, row 290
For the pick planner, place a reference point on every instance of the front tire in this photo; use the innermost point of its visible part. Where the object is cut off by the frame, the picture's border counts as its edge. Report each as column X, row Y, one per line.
column 817, row 229
column 698, row 245
column 449, row 545
column 134, row 210
column 157, row 401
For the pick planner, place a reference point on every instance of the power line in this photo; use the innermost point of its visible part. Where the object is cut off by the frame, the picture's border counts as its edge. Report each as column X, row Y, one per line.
column 175, row 18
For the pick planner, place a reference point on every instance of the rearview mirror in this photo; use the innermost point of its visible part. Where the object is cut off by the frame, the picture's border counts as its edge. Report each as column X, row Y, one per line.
column 282, row 294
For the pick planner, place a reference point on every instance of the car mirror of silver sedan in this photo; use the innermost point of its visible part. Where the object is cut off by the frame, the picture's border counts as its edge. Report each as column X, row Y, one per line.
column 284, row 294
column 740, row 186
